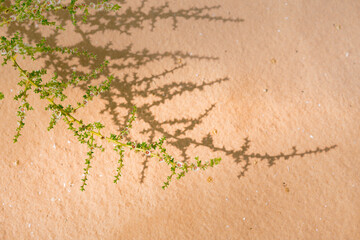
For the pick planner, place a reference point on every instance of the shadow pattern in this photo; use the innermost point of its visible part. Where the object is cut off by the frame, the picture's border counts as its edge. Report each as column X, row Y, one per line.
column 131, row 60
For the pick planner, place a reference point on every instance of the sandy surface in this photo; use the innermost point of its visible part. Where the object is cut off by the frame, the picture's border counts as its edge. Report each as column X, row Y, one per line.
column 272, row 87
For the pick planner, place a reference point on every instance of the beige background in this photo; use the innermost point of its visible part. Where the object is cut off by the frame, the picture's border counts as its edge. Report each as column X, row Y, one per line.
column 272, row 87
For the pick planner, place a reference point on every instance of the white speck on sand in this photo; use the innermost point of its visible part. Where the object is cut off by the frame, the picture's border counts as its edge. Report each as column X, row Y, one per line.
column 325, row 205
column 286, row 4
column 10, row 205
column 69, row 190
column 278, row 30
column 311, row 136
column 11, row 90
column 39, row 193
column 54, row 146
column 59, row 199
column 317, row 230
column 346, row 54
column 201, row 34
column 226, row 199
column 256, row 191
column 52, row 199
column 227, row 226
column 244, row 219
column 29, row 225
column 197, row 74
column 237, row 41
column 191, row 54
column 320, row 218
column 307, row 101
column 286, row 18
column 69, row 141
column 64, row 184
column 288, row 168
column 319, row 105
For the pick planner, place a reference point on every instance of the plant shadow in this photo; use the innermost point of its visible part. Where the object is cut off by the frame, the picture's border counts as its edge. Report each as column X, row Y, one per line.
column 132, row 86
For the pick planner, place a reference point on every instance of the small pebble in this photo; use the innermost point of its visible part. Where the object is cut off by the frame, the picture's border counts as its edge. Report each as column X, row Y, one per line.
column 311, row 136
column 244, row 219
column 346, row 54
column 29, row 225
column 54, row 146
column 11, row 90
column 69, row 141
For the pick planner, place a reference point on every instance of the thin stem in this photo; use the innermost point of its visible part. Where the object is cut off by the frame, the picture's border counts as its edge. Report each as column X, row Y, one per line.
column 24, row 73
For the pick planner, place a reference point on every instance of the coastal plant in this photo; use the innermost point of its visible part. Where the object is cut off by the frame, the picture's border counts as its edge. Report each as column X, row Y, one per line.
column 53, row 90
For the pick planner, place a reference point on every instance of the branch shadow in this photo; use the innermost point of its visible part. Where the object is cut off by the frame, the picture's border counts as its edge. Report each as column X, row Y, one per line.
column 131, row 60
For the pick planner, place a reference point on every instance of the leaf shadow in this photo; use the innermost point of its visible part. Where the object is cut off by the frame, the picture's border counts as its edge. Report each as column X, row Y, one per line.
column 132, row 61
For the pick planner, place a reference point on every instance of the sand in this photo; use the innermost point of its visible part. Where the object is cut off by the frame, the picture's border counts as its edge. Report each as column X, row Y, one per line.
column 272, row 87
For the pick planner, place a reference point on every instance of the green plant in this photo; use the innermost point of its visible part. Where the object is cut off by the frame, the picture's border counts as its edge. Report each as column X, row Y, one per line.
column 31, row 81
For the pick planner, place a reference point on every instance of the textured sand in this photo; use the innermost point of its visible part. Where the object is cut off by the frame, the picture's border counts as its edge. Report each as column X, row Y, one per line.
column 272, row 87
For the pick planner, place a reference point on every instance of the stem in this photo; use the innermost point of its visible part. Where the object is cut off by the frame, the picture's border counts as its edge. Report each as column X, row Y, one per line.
column 23, row 72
